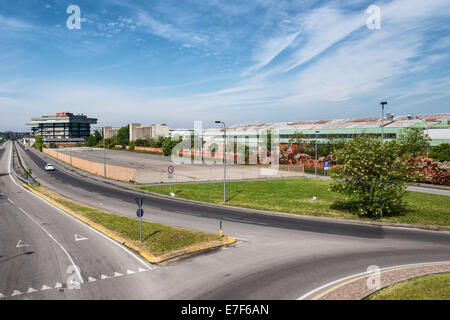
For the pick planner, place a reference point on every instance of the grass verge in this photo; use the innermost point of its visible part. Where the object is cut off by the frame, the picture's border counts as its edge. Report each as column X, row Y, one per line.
column 158, row 240
column 429, row 287
column 295, row 196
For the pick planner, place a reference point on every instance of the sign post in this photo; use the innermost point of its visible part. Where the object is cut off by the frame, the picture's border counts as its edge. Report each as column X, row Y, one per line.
column 171, row 171
column 326, row 166
column 140, row 213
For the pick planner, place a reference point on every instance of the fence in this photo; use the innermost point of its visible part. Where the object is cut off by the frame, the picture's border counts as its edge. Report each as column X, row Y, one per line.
column 112, row 172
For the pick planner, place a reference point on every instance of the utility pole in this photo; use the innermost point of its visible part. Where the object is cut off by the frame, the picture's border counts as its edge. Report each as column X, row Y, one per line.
column 224, row 160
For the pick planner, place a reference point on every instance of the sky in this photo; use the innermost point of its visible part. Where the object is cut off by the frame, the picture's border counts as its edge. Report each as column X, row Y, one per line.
column 237, row 61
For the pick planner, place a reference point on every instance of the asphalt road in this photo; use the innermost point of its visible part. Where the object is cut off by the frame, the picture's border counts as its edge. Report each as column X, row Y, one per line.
column 47, row 254
column 277, row 256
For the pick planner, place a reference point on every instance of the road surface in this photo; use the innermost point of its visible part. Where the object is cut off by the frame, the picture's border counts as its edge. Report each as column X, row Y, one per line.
column 276, row 257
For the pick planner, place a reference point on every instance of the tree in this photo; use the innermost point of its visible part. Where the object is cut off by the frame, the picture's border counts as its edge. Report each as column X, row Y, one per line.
column 373, row 174
column 168, row 145
column 39, row 143
column 413, row 141
column 123, row 136
column 440, row 152
column 298, row 138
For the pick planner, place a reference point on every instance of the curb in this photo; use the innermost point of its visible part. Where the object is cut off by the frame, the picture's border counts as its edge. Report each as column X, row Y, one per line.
column 146, row 255
column 333, row 286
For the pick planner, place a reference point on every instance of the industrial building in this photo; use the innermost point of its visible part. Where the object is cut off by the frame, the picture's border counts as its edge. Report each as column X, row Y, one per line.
column 62, row 128
column 434, row 125
column 143, row 132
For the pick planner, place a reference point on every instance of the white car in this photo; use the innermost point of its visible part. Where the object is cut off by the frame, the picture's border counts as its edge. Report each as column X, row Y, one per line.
column 49, row 167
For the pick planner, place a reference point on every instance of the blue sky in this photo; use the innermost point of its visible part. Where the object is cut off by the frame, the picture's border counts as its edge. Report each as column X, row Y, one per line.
column 237, row 61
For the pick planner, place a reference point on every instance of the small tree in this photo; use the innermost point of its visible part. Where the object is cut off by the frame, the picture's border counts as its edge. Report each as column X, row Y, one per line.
column 298, row 139
column 413, row 141
column 168, row 145
column 123, row 136
column 373, row 174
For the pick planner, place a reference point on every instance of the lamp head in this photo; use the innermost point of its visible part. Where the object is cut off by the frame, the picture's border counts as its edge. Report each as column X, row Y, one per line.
column 383, row 103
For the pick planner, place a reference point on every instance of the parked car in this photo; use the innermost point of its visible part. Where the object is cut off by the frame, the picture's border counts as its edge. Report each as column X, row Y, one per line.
column 49, row 167
column 26, row 149
column 90, row 149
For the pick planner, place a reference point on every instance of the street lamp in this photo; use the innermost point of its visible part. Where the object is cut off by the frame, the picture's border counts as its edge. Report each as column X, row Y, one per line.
column 224, row 160
column 382, row 140
column 382, row 119
column 104, row 154
column 316, row 155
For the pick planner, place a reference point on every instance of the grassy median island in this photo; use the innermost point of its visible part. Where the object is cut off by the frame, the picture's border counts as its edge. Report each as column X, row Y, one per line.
column 295, row 196
column 157, row 239
column 429, row 287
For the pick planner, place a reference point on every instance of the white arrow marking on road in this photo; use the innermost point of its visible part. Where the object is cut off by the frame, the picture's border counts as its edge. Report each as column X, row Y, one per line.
column 21, row 244
column 130, row 272
column 142, row 269
column 80, row 238
column 2, row 296
column 58, row 285
column 116, row 274
column 90, row 279
column 15, row 293
column 31, row 290
column 44, row 287
column 103, row 277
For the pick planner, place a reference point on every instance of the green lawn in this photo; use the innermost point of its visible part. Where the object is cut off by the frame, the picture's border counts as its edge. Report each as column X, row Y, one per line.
column 157, row 239
column 430, row 287
column 294, row 196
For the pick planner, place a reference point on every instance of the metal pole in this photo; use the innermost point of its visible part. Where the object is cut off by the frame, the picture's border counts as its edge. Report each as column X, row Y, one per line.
column 316, row 156
column 225, row 165
column 140, row 228
column 104, row 154
column 382, row 143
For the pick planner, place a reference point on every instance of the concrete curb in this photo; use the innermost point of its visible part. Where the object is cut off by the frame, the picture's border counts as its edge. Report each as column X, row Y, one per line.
column 226, row 240
column 347, row 282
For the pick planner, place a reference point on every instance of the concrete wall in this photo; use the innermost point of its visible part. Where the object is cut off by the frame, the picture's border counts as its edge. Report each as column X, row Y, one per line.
column 112, row 172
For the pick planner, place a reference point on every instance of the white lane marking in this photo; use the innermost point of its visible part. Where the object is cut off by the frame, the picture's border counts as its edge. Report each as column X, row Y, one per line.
column 35, row 221
column 44, row 287
column 103, row 277
column 58, row 285
column 142, row 270
column 90, row 279
column 10, row 200
column 31, row 290
column 22, row 244
column 367, row 272
column 2, row 295
column 130, row 272
column 16, row 293
column 82, row 223
column 80, row 238
column 117, row 274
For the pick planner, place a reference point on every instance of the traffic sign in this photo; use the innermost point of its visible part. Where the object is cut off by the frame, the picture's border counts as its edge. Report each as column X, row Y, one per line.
column 139, row 202
column 326, row 165
column 170, row 169
column 170, row 175
column 140, row 212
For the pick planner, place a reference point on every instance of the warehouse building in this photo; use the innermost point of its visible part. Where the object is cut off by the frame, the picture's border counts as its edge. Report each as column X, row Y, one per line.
column 62, row 128
column 434, row 125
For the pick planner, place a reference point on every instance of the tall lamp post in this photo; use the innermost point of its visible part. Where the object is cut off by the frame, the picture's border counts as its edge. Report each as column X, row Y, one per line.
column 104, row 154
column 382, row 141
column 224, row 160
column 316, row 155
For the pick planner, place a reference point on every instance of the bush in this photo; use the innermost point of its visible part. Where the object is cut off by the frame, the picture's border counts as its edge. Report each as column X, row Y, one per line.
column 440, row 152
column 373, row 174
